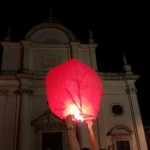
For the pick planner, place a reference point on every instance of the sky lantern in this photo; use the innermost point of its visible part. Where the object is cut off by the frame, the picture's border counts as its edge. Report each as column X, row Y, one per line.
column 74, row 88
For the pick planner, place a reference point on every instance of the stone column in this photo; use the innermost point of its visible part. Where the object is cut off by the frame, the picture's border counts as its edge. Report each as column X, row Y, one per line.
column 24, row 133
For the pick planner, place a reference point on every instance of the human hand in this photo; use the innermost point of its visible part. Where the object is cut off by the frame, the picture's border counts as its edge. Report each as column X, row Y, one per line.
column 89, row 124
column 69, row 122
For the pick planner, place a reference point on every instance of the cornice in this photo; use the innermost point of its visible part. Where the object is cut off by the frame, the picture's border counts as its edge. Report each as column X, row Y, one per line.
column 12, row 44
column 7, row 77
column 117, row 76
column 106, row 76
column 21, row 76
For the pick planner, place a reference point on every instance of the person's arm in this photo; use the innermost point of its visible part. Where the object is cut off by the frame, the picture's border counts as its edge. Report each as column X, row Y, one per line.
column 74, row 144
column 94, row 143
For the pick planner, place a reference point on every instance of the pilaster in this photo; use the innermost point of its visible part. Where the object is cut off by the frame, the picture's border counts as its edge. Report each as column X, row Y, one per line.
column 74, row 49
column 24, row 133
column 3, row 94
column 92, row 48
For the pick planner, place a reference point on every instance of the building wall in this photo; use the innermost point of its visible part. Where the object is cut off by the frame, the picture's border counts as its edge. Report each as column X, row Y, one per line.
column 23, row 100
column 25, row 115
column 122, row 93
column 8, row 113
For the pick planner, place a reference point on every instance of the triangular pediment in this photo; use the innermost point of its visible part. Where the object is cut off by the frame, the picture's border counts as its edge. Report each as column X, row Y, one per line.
column 47, row 118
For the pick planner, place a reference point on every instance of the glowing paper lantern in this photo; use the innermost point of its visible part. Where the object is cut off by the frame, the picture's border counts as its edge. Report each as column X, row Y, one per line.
column 74, row 88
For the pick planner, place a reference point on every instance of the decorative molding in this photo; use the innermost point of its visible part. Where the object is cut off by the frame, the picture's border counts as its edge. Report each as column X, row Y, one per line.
column 17, row 77
column 4, row 92
column 50, row 60
column 48, row 121
column 120, row 130
column 62, row 28
column 11, row 44
column 131, row 90
column 26, row 91
column 106, row 76
column 30, row 76
column 7, row 77
column 117, row 76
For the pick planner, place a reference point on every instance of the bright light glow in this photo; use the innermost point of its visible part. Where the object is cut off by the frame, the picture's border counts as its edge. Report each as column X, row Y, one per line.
column 76, row 112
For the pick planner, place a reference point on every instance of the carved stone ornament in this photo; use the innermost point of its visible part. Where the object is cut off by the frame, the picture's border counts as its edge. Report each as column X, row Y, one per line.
column 48, row 121
column 50, row 60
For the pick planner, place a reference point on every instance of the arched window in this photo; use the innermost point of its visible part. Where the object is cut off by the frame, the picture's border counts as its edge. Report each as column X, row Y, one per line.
column 121, row 137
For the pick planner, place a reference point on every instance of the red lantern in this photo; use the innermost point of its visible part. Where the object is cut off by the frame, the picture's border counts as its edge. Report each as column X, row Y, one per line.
column 74, row 88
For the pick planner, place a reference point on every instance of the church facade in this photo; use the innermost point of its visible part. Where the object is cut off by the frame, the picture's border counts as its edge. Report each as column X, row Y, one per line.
column 26, row 123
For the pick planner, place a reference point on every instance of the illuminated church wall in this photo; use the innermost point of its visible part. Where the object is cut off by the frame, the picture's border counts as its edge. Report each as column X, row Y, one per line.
column 25, row 119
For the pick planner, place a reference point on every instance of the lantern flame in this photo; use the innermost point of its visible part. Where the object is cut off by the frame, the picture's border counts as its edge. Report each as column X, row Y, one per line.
column 75, row 112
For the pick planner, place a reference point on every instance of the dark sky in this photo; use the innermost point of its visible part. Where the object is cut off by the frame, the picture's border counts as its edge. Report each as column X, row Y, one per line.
column 118, row 28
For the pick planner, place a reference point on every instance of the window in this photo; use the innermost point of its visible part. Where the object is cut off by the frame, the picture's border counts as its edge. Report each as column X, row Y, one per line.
column 122, row 145
column 52, row 141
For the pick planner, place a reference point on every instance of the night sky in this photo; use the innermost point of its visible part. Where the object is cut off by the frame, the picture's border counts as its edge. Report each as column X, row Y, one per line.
column 118, row 28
